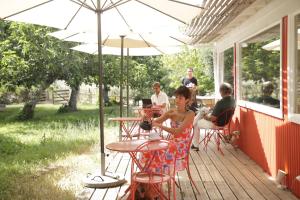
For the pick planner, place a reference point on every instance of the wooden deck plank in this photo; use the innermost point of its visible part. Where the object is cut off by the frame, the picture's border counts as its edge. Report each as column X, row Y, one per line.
column 112, row 166
column 196, row 176
column 208, row 181
column 127, row 177
column 232, row 176
column 248, row 187
column 112, row 193
column 223, row 188
column 186, row 186
column 230, row 180
column 260, row 174
column 260, row 187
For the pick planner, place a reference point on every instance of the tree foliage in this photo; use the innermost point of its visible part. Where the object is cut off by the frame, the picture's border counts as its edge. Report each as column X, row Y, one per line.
column 31, row 59
column 199, row 59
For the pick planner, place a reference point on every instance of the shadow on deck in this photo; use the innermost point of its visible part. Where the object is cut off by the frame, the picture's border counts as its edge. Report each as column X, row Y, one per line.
column 232, row 176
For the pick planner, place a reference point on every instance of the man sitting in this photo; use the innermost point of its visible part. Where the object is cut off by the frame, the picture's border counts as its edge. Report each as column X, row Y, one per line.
column 205, row 120
column 159, row 98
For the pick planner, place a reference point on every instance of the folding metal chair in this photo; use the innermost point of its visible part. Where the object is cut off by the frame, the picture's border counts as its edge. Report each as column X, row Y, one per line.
column 221, row 128
column 158, row 167
column 186, row 158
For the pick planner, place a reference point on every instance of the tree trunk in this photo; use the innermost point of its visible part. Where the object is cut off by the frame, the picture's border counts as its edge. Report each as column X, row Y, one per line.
column 105, row 95
column 29, row 106
column 73, row 99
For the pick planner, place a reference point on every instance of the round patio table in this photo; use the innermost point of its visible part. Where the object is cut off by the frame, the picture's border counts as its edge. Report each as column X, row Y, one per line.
column 130, row 131
column 130, row 146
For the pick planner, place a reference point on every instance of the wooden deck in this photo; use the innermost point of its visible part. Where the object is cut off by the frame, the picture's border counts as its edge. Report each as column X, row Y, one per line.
column 232, row 176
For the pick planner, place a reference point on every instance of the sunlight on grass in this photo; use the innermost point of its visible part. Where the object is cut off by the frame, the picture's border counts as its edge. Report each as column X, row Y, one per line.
column 28, row 149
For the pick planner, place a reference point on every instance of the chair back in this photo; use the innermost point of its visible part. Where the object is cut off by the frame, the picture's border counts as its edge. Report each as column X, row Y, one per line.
column 157, row 156
column 183, row 148
column 225, row 117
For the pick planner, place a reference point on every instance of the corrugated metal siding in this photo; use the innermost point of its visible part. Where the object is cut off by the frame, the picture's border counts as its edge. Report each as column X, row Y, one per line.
column 271, row 142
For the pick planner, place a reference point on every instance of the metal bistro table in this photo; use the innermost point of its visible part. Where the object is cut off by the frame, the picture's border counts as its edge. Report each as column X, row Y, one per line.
column 130, row 147
column 128, row 132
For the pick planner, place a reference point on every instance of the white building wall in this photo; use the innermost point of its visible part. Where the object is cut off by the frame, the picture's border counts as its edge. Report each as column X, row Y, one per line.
column 265, row 18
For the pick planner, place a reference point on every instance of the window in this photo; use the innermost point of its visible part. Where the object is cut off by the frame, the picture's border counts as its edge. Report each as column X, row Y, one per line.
column 260, row 68
column 228, row 66
column 297, row 66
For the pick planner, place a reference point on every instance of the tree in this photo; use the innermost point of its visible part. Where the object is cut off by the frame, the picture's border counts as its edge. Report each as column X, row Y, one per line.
column 78, row 68
column 144, row 71
column 199, row 59
column 28, row 60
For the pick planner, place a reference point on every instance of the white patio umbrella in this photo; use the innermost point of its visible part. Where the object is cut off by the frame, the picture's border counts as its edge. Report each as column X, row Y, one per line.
column 150, row 51
column 95, row 15
column 140, row 44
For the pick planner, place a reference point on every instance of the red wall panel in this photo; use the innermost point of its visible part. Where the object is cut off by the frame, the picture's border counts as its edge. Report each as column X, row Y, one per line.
column 271, row 142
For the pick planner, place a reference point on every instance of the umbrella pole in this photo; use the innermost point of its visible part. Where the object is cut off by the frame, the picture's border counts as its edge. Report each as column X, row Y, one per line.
column 127, row 81
column 121, row 84
column 101, row 106
column 103, row 180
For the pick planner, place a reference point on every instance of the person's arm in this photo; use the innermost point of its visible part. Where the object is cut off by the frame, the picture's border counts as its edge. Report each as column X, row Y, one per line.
column 188, row 120
column 153, row 100
column 162, row 118
column 209, row 117
column 196, row 82
column 163, row 105
column 166, row 100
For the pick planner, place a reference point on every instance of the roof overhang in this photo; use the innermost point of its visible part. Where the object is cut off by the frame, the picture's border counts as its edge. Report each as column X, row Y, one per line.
column 220, row 17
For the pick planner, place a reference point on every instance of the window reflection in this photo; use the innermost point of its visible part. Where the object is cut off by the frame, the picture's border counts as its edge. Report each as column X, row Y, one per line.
column 260, row 71
column 228, row 66
column 297, row 96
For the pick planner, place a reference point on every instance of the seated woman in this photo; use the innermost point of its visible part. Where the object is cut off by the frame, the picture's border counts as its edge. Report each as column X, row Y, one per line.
column 181, row 125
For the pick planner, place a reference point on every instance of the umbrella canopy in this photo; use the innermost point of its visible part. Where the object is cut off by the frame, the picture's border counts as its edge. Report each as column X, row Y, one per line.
column 94, row 15
column 119, row 15
column 140, row 44
column 166, row 37
column 151, row 51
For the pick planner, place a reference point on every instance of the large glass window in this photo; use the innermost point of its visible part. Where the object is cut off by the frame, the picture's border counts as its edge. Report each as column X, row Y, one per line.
column 297, row 78
column 228, row 66
column 260, row 68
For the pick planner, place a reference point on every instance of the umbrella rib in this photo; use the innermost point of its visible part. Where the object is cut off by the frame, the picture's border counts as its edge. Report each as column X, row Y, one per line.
column 146, row 41
column 82, row 3
column 188, row 4
column 105, row 40
column 174, row 38
column 121, row 15
column 11, row 15
column 120, row 2
column 75, row 14
column 103, row 4
column 159, row 50
column 161, row 11
column 94, row 4
column 70, row 36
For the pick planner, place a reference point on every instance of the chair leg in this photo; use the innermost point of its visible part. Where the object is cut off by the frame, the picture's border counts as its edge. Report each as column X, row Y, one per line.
column 132, row 191
column 173, row 189
column 218, row 141
column 191, row 179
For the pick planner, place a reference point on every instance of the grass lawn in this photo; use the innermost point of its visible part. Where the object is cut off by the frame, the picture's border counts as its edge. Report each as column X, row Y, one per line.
column 46, row 157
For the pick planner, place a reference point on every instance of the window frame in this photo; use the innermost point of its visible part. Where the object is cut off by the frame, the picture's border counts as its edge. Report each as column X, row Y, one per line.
column 275, row 112
column 292, row 68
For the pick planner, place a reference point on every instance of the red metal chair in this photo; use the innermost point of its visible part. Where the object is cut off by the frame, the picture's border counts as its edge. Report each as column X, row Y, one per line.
column 221, row 128
column 158, row 167
column 187, row 143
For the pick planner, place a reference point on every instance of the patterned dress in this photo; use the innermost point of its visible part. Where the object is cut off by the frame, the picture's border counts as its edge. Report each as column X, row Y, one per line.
column 182, row 143
column 163, row 160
